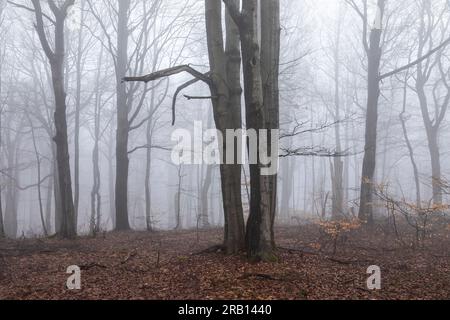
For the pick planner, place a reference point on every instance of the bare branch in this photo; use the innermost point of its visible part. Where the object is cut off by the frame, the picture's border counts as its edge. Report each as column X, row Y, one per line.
column 313, row 152
column 416, row 62
column 40, row 30
column 199, row 97
column 169, row 72
column 21, row 6
column 149, row 147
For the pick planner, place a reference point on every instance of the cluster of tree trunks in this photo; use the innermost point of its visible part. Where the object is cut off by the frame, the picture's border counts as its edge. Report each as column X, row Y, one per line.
column 260, row 45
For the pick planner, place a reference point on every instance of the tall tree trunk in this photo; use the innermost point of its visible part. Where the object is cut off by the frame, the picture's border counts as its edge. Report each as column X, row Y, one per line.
column 56, row 192
column 224, row 83
column 225, row 67
column 436, row 174
column 205, row 188
column 2, row 228
column 111, row 190
column 261, row 64
column 68, row 227
column 370, row 149
column 79, row 75
column 48, row 201
column 148, row 167
column 11, row 199
column 95, row 192
column 259, row 235
column 286, row 187
column 122, row 161
column 270, row 62
column 177, row 200
column 39, row 178
column 409, row 145
column 56, row 59
column 338, row 164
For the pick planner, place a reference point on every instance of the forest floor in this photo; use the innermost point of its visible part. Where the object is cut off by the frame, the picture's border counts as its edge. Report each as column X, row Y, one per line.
column 171, row 265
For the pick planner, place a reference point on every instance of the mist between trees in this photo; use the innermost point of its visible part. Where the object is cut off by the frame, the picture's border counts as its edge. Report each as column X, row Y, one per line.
column 91, row 93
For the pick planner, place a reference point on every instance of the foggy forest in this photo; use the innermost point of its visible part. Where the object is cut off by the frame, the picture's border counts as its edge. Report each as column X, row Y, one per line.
column 224, row 150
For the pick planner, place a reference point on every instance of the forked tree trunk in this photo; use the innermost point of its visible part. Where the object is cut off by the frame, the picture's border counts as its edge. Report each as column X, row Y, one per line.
column 225, row 67
column 56, row 59
column 260, row 53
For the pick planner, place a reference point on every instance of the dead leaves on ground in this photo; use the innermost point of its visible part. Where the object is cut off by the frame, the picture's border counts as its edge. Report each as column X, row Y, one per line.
column 173, row 265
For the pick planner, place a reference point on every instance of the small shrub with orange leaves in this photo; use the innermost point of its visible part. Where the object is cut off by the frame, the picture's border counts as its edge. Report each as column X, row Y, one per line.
column 334, row 233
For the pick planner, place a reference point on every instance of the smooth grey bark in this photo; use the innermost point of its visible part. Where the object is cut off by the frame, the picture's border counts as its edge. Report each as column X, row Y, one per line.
column 260, row 45
column 122, row 134
column 258, row 232
column 225, row 64
column 270, row 65
column 205, row 188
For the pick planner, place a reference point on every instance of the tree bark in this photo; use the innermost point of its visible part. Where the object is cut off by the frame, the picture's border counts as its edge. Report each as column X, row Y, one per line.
column 2, row 228
column 270, row 62
column 260, row 52
column 148, row 167
column 225, row 69
column 122, row 161
column 338, row 164
column 409, row 145
column 370, row 149
column 79, row 75
column 56, row 59
column 224, row 83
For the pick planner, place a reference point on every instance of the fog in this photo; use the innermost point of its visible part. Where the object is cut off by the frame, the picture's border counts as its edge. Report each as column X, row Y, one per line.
column 323, row 105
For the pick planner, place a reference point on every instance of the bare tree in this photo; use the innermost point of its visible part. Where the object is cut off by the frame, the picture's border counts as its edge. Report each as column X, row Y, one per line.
column 430, row 24
column 224, row 83
column 261, row 72
column 373, row 48
column 56, row 60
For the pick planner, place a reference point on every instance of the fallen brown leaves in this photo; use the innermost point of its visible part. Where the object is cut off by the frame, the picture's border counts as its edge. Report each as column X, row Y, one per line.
column 174, row 265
